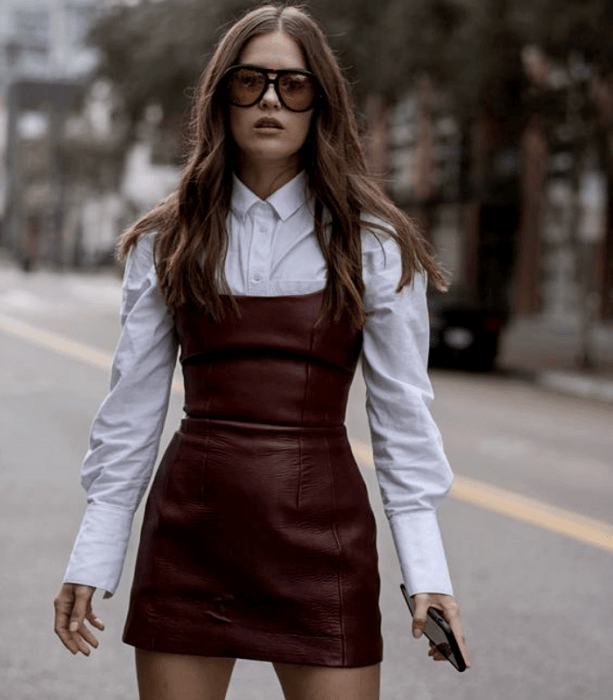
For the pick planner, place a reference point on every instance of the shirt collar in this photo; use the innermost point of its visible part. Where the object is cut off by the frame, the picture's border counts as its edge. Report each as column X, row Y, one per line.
column 285, row 201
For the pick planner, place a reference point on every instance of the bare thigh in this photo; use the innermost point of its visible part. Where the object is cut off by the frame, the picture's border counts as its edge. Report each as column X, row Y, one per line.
column 326, row 683
column 181, row 676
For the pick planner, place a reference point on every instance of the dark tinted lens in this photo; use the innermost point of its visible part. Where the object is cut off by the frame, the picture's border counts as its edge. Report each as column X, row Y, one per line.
column 297, row 91
column 245, row 86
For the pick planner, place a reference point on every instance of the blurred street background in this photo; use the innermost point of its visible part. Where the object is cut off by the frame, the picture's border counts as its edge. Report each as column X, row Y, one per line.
column 491, row 122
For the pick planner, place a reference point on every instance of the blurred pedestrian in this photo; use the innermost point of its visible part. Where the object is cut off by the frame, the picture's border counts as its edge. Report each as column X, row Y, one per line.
column 275, row 265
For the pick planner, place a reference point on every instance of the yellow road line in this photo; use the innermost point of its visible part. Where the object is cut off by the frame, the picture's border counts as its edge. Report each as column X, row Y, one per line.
column 55, row 342
column 596, row 533
column 565, row 522
column 63, row 345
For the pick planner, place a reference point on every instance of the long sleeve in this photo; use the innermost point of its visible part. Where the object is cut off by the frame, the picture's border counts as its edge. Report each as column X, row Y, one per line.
column 125, row 434
column 413, row 473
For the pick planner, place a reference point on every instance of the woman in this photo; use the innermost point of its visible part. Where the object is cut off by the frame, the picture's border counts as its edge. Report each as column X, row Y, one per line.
column 275, row 266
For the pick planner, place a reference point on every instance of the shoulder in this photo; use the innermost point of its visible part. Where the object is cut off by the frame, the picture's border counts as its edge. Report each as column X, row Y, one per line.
column 382, row 261
column 380, row 251
column 140, row 261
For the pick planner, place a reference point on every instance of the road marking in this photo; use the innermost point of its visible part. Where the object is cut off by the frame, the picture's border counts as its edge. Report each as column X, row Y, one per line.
column 55, row 342
column 63, row 345
column 596, row 533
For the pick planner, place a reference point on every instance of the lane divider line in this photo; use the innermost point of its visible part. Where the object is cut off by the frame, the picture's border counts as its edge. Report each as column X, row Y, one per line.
column 595, row 533
column 53, row 341
column 64, row 346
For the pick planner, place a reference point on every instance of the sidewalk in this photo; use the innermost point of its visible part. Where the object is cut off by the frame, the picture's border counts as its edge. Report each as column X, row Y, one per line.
column 547, row 351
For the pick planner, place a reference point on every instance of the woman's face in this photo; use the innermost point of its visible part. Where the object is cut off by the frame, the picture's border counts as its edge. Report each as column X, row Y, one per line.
column 268, row 133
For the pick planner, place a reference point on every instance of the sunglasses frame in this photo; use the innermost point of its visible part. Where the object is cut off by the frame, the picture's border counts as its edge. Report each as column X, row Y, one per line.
column 266, row 72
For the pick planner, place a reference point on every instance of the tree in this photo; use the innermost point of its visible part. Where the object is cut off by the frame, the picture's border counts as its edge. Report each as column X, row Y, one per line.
column 471, row 49
column 154, row 51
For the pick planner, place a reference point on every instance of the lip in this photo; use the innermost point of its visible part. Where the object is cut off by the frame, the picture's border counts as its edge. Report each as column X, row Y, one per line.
column 268, row 123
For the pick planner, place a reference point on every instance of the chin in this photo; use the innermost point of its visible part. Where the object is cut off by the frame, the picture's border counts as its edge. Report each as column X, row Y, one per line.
column 272, row 155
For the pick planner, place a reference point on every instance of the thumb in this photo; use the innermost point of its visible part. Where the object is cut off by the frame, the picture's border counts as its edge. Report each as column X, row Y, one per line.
column 82, row 598
column 419, row 615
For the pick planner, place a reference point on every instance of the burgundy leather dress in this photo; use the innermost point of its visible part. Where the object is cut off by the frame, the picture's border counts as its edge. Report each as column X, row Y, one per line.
column 258, row 539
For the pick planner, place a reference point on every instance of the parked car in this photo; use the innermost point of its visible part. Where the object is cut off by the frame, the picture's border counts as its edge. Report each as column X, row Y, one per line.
column 463, row 332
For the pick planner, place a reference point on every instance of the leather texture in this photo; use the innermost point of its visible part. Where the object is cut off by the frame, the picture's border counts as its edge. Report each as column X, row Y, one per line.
column 258, row 539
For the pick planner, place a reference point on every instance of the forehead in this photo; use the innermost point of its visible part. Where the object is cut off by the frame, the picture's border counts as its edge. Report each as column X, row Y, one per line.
column 275, row 50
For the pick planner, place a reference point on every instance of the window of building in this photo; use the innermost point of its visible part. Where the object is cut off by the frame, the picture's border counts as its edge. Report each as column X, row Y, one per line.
column 31, row 28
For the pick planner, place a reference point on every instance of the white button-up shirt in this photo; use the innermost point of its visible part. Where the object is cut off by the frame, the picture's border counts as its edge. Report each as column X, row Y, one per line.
column 272, row 251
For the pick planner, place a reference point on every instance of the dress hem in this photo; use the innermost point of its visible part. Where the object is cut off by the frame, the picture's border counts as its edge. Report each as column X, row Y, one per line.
column 253, row 645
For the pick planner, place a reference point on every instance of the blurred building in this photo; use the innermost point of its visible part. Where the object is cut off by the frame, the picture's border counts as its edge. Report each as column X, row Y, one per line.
column 522, row 219
column 45, row 39
column 564, row 269
column 463, row 189
column 425, row 169
column 57, row 149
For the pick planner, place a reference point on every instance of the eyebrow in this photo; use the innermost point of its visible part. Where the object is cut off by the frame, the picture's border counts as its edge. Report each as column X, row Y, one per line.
column 273, row 70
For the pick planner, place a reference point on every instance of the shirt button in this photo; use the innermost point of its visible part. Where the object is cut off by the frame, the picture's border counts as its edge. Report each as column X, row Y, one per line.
column 262, row 229
column 257, row 277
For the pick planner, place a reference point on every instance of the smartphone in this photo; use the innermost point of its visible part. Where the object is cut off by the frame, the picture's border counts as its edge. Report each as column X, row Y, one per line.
column 439, row 632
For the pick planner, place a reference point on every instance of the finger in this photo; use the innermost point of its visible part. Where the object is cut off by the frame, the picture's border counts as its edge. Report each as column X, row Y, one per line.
column 94, row 620
column 68, row 642
column 81, row 644
column 63, row 608
column 87, row 635
column 463, row 649
column 435, row 653
column 61, row 629
column 83, row 595
column 452, row 615
column 419, row 615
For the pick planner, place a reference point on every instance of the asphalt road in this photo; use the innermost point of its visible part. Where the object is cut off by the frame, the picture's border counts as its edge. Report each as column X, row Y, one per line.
column 528, row 527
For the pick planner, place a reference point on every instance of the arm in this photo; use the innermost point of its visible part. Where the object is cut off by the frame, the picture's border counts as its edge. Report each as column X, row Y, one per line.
column 126, row 432
column 412, row 469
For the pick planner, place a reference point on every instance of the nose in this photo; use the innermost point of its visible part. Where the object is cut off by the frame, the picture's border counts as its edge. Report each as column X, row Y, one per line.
column 270, row 97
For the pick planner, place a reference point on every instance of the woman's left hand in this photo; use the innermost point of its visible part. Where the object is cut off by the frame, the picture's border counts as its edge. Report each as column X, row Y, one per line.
column 451, row 612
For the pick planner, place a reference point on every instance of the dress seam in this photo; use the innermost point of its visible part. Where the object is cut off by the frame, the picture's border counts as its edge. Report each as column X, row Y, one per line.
column 304, row 403
column 340, row 553
column 204, row 462
column 299, row 490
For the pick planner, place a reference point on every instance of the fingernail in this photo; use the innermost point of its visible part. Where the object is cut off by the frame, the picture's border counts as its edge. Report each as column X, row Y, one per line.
column 417, row 634
column 74, row 626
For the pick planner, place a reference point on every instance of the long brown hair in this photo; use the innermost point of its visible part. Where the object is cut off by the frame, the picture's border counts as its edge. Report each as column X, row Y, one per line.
column 191, row 241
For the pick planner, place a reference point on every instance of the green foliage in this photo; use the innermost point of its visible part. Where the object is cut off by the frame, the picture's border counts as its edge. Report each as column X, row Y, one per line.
column 580, row 27
column 154, row 51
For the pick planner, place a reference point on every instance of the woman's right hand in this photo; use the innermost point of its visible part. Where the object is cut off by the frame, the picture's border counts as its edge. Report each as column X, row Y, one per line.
column 73, row 606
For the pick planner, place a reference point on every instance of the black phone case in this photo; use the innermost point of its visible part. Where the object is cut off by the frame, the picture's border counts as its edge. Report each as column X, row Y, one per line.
column 452, row 652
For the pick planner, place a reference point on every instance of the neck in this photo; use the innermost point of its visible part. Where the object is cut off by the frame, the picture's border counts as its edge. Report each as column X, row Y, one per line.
column 265, row 178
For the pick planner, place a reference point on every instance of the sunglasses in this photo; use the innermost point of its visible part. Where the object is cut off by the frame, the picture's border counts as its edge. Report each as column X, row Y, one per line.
column 245, row 86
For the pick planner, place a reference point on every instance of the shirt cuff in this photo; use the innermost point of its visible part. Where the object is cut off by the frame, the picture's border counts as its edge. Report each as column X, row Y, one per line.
column 100, row 549
column 420, row 550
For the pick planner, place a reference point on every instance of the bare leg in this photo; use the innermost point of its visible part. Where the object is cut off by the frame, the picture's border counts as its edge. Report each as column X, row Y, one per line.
column 326, row 683
column 181, row 676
